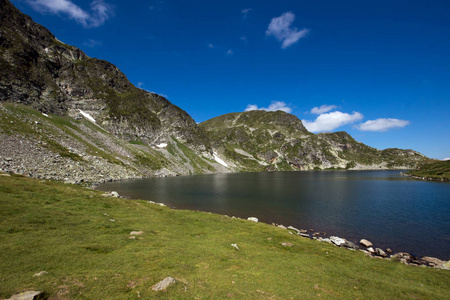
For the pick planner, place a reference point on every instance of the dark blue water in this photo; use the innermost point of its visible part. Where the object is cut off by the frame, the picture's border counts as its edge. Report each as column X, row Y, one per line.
column 388, row 209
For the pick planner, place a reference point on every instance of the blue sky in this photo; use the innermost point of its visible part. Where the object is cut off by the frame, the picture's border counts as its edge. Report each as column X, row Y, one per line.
column 379, row 70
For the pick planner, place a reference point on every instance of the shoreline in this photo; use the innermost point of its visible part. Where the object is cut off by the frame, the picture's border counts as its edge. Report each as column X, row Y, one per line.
column 364, row 245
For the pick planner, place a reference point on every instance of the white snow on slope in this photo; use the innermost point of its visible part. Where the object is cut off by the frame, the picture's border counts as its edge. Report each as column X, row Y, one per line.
column 162, row 145
column 219, row 160
column 87, row 116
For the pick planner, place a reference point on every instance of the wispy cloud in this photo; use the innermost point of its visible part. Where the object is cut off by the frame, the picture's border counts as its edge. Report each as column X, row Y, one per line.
column 100, row 11
column 211, row 46
column 322, row 109
column 281, row 28
column 274, row 106
column 382, row 124
column 230, row 52
column 245, row 12
column 92, row 43
column 331, row 121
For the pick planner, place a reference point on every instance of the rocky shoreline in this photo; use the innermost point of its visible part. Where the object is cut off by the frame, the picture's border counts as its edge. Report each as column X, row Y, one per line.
column 364, row 245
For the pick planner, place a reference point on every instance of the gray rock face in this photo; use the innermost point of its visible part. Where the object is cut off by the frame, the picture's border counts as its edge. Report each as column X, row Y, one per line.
column 380, row 252
column 163, row 284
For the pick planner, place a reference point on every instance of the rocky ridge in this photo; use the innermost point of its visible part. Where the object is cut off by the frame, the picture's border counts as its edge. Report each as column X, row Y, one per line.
column 270, row 141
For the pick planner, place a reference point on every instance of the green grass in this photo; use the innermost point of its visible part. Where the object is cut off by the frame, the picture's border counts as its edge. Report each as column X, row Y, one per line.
column 63, row 230
column 434, row 170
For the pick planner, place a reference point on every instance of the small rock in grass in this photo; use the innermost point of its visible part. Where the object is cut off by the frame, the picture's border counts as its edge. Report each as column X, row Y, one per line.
column 282, row 226
column 293, row 228
column 287, row 244
column 40, row 274
column 163, row 284
column 136, row 232
column 304, row 235
column 252, row 219
column 30, row 295
column 112, row 220
column 235, row 246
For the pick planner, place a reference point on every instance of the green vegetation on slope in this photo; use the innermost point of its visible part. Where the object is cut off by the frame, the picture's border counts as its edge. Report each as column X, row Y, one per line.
column 434, row 170
column 83, row 241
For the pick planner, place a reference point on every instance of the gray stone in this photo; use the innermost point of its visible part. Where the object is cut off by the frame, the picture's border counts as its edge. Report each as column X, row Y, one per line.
column 30, row 295
column 380, row 252
column 136, row 232
column 370, row 249
column 293, row 228
column 40, row 274
column 163, row 284
column 350, row 245
column 304, row 235
column 337, row 240
column 286, row 244
column 282, row 226
column 436, row 262
column 365, row 243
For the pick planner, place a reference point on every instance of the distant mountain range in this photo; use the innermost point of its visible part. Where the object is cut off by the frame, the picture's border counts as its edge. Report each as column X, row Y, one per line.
column 67, row 116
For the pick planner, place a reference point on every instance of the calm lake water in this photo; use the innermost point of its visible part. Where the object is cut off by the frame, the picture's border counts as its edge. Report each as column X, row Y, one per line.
column 390, row 210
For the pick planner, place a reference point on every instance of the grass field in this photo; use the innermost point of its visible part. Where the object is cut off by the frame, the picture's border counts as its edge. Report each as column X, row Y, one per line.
column 82, row 240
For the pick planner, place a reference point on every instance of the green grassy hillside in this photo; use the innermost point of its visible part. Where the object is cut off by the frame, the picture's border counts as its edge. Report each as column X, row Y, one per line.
column 434, row 170
column 82, row 240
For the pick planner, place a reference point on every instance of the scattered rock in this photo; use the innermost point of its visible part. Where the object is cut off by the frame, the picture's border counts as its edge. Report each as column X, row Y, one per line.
column 388, row 250
column 235, row 246
column 30, row 295
column 115, row 194
column 380, row 252
column 303, row 231
column 293, row 228
column 435, row 262
column 163, row 284
column 287, row 244
column 112, row 220
column 40, row 274
column 370, row 249
column 365, row 243
column 304, row 235
column 282, row 226
column 446, row 265
column 350, row 245
column 252, row 219
column 136, row 232
column 337, row 240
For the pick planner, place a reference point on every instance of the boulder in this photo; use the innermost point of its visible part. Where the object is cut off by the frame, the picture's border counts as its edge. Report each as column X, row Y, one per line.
column 304, row 235
column 163, row 284
column 337, row 240
column 435, row 262
column 380, row 252
column 365, row 243
column 30, row 295
column 370, row 249
column 252, row 219
column 350, row 245
column 293, row 228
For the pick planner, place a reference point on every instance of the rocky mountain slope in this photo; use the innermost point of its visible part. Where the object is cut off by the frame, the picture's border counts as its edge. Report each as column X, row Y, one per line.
column 89, row 103
column 67, row 116
column 261, row 140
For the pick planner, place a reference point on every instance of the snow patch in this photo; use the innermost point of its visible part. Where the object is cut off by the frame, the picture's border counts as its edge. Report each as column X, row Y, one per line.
column 87, row 116
column 219, row 160
column 162, row 145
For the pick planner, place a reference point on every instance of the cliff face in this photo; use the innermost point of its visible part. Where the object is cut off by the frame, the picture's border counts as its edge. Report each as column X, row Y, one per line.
column 260, row 140
column 38, row 70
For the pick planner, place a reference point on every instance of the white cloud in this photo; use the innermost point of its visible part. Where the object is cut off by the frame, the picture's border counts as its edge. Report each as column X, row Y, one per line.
column 245, row 12
column 331, row 121
column 447, row 158
column 211, row 46
column 92, row 43
column 100, row 11
column 230, row 52
column 382, row 124
column 140, row 84
column 274, row 106
column 322, row 109
column 281, row 28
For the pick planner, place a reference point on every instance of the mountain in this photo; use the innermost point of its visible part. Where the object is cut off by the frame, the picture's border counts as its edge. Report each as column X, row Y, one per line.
column 261, row 140
column 40, row 72
column 67, row 116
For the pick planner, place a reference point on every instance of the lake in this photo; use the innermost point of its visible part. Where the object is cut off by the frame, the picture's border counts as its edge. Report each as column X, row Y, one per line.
column 390, row 210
